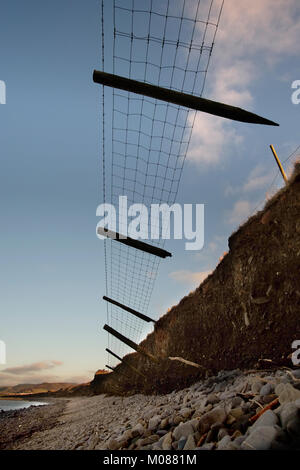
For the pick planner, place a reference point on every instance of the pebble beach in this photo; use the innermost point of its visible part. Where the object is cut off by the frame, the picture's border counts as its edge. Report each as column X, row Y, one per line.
column 235, row 410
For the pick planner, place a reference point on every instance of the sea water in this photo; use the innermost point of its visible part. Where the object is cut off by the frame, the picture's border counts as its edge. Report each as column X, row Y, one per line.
column 6, row 405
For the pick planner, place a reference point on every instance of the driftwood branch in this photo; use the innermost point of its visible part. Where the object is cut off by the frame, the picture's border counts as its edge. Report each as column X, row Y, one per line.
column 189, row 363
column 266, row 408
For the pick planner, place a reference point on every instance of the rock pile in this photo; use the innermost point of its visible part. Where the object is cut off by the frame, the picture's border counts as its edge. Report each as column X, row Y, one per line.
column 232, row 411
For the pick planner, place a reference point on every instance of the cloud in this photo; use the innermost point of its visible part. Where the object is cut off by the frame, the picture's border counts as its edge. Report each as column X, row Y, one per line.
column 37, row 373
column 259, row 178
column 211, row 136
column 241, row 211
column 270, row 28
column 189, row 277
column 32, row 368
column 252, row 38
column 9, row 380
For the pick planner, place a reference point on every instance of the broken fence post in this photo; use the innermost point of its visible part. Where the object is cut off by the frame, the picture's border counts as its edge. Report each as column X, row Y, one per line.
column 130, row 310
column 279, row 164
column 126, row 363
column 179, row 98
column 138, row 244
column 129, row 343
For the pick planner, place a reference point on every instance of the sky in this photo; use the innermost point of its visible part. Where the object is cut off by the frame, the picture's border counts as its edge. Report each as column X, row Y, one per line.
column 52, row 275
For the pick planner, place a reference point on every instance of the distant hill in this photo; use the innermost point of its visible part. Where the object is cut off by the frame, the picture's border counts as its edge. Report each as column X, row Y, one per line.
column 25, row 389
column 102, row 371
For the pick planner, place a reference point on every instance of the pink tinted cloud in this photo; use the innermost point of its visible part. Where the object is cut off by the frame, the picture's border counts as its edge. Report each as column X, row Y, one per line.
column 31, row 368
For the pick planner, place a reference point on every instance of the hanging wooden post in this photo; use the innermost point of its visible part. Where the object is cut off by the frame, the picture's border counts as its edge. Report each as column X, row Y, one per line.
column 138, row 244
column 126, row 363
column 182, row 99
column 128, row 309
column 129, row 343
column 279, row 164
column 111, row 368
column 114, row 354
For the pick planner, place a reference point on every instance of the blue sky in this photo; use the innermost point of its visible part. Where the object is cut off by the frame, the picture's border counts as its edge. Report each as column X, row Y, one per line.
column 52, row 272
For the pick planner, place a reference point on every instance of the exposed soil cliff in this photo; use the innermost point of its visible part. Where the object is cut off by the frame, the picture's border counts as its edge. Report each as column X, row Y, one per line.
column 246, row 311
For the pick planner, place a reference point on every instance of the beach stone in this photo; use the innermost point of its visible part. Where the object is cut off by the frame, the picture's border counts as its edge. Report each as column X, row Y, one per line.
column 178, row 419
column 128, row 434
column 156, row 446
column 236, row 434
column 268, row 398
column 289, row 411
column 237, row 412
column 146, row 447
column 293, row 428
column 186, row 399
column 230, row 420
column 236, row 401
column 194, row 422
column 113, row 444
column 256, row 387
column 213, row 432
column 223, row 443
column 220, row 387
column 148, row 414
column 286, row 393
column 266, row 389
column 246, row 405
column 181, row 443
column 167, row 442
column 183, row 430
column 212, row 399
column 227, row 395
column 164, row 423
column 296, row 373
column 149, row 440
column 222, row 433
column 154, row 422
column 217, row 415
column 238, row 441
column 207, row 408
column 261, row 438
column 268, row 418
column 207, row 446
column 137, row 430
column 242, row 386
column 297, row 403
column 186, row 412
column 190, row 443
column 161, row 432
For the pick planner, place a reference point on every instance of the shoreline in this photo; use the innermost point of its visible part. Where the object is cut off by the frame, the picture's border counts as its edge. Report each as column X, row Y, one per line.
column 19, row 425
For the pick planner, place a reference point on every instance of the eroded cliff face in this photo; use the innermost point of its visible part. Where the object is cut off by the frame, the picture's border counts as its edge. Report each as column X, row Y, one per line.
column 246, row 311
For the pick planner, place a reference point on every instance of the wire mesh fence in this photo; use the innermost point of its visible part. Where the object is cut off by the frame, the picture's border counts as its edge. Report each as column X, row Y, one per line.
column 144, row 140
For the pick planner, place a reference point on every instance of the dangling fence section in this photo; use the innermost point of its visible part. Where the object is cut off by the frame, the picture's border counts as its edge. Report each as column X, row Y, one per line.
column 155, row 58
column 145, row 140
